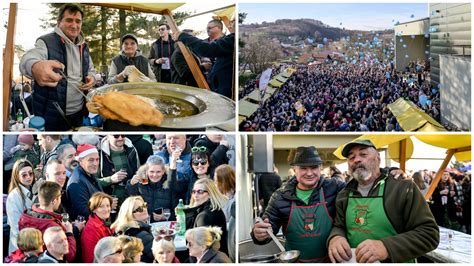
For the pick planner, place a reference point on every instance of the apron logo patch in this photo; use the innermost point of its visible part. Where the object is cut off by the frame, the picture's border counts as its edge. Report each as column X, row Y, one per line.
column 361, row 217
column 309, row 227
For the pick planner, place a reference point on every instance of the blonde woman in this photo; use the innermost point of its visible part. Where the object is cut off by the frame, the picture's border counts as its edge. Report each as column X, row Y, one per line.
column 132, row 220
column 156, row 187
column 206, row 208
column 164, row 251
column 203, row 245
column 132, row 249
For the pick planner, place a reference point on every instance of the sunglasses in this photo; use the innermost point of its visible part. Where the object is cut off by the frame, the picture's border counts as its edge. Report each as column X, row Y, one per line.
column 141, row 208
column 210, row 28
column 162, row 29
column 200, row 161
column 199, row 149
column 118, row 251
column 198, row 191
column 165, row 237
column 119, row 136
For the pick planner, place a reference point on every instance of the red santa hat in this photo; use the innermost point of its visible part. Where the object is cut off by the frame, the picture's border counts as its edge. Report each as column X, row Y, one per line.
column 85, row 149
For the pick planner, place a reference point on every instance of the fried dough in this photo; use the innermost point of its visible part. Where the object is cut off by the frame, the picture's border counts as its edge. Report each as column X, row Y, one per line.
column 126, row 108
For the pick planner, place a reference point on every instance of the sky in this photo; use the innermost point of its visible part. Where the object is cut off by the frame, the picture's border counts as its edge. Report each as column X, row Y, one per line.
column 360, row 16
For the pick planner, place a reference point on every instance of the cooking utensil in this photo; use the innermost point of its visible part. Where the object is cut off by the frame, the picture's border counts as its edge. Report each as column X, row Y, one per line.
column 61, row 72
column 289, row 256
column 285, row 256
column 270, row 233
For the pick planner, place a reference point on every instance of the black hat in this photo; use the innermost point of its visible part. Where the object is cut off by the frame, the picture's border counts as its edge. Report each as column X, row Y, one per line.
column 129, row 36
column 306, row 156
column 350, row 145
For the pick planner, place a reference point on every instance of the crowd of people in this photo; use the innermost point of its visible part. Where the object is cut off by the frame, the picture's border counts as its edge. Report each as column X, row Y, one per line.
column 61, row 60
column 343, row 96
column 92, row 198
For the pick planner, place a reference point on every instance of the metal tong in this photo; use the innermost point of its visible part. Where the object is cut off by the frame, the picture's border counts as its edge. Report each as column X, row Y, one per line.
column 61, row 72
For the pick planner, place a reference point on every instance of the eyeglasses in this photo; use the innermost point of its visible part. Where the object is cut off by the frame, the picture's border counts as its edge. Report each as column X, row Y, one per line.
column 197, row 149
column 141, row 208
column 119, row 136
column 198, row 191
column 199, row 161
column 165, row 237
column 118, row 251
column 162, row 29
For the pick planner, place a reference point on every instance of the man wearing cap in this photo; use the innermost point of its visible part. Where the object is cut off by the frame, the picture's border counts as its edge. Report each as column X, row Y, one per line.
column 56, row 96
column 379, row 217
column 130, row 59
column 83, row 182
column 304, row 207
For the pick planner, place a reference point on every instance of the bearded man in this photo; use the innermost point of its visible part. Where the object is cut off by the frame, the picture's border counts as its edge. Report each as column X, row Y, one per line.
column 378, row 217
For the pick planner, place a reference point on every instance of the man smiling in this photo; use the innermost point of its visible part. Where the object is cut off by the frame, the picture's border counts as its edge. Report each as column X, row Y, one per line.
column 382, row 218
column 304, row 207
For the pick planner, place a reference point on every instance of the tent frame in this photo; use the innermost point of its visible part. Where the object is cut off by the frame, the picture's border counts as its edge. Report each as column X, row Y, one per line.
column 9, row 50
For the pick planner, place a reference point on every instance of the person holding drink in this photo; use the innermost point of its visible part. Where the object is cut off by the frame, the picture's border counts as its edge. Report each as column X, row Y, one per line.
column 156, row 188
column 177, row 144
column 118, row 162
column 43, row 216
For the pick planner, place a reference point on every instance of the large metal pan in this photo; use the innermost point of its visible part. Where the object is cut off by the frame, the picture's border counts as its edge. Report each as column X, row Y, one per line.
column 184, row 107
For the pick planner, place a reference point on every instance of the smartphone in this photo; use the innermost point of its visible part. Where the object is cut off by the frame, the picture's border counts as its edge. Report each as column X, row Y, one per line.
column 158, row 211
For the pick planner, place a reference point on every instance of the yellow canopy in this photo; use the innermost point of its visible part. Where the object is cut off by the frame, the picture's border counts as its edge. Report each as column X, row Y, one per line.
column 275, row 83
column 412, row 118
column 154, row 8
column 445, row 141
column 242, row 119
column 255, row 95
column 270, row 90
column 228, row 12
column 450, row 142
column 247, row 108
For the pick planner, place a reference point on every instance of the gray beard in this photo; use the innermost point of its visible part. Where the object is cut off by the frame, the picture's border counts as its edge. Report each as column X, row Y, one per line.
column 362, row 175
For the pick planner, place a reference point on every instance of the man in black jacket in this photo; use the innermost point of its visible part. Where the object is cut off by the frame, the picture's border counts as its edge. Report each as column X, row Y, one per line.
column 118, row 163
column 223, row 50
column 304, row 207
column 160, row 54
column 56, row 246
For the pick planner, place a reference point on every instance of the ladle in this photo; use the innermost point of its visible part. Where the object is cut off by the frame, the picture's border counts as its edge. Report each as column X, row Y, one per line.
column 285, row 256
column 270, row 232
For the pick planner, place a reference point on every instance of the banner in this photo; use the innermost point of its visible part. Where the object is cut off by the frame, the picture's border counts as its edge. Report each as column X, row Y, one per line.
column 264, row 78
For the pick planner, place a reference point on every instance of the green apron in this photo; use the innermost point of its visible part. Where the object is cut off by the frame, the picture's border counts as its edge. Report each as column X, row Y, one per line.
column 366, row 218
column 308, row 229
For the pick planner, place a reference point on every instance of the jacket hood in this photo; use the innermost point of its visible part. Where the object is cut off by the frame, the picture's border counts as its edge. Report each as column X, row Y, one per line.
column 80, row 37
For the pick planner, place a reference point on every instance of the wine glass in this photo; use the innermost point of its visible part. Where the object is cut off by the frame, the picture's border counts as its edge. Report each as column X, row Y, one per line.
column 65, row 217
column 450, row 239
column 178, row 148
column 167, row 213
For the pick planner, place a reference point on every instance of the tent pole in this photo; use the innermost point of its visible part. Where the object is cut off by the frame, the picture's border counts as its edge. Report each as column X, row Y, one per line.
column 449, row 155
column 198, row 76
column 8, row 55
column 403, row 154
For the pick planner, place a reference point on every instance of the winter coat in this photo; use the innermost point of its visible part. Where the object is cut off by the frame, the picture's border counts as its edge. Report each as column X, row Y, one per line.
column 42, row 220
column 212, row 256
column 15, row 207
column 80, row 188
column 143, row 233
column 202, row 215
column 407, row 210
column 279, row 206
column 95, row 230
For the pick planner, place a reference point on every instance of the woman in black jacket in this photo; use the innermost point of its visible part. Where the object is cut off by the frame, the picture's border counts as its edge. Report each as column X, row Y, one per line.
column 204, row 245
column 206, row 209
column 152, row 183
column 132, row 221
